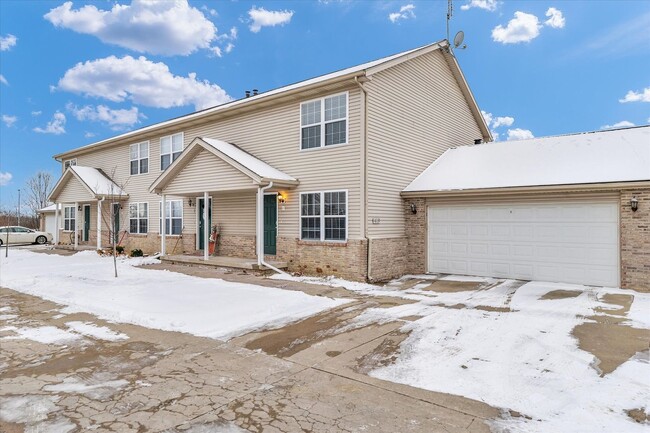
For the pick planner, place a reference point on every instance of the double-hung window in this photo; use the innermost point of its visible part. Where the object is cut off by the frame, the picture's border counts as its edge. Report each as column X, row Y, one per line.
column 140, row 158
column 323, row 216
column 69, row 216
column 324, row 121
column 173, row 217
column 171, row 147
column 138, row 218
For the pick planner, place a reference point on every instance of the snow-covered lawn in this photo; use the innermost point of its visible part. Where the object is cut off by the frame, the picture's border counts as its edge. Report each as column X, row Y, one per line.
column 157, row 299
column 509, row 346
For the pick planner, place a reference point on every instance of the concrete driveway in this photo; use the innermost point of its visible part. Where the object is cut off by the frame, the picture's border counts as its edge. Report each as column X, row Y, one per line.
column 315, row 375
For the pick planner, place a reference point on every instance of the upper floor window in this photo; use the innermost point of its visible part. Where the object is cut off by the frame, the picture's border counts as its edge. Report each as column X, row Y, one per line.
column 324, row 122
column 140, row 158
column 69, row 162
column 323, row 216
column 171, row 147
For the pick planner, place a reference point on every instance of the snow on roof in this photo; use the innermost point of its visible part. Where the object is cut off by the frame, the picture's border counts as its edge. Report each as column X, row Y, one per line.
column 247, row 160
column 237, row 102
column 49, row 208
column 97, row 181
column 621, row 155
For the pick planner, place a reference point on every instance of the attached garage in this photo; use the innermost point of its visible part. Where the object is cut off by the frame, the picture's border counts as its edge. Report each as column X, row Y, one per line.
column 561, row 240
column 571, row 209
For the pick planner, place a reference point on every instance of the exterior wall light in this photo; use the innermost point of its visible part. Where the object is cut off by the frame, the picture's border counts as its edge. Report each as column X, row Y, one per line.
column 79, row 208
column 414, row 208
column 281, row 199
column 634, row 203
column 190, row 202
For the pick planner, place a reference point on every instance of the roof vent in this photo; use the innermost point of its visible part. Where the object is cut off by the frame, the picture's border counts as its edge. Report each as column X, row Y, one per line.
column 255, row 92
column 248, row 93
column 478, row 141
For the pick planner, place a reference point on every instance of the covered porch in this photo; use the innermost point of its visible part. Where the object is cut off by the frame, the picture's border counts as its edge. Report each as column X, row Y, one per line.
column 86, row 201
column 223, row 183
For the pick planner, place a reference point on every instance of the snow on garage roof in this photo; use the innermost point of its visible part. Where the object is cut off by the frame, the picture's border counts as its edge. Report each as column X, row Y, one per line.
column 621, row 155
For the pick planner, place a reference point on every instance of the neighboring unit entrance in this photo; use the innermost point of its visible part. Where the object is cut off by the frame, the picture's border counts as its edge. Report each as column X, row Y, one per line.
column 86, row 237
column 565, row 241
column 116, row 222
column 270, row 223
column 200, row 208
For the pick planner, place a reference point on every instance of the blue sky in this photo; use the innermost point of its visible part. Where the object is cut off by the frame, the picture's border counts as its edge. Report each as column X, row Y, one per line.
column 72, row 73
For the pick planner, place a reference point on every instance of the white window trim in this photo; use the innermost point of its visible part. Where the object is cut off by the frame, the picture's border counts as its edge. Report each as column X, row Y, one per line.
column 322, row 217
column 72, row 218
column 70, row 162
column 138, row 218
column 140, row 158
column 169, row 216
column 322, row 123
column 171, row 160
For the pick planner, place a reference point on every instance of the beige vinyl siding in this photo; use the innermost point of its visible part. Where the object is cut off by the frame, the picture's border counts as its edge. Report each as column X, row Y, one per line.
column 74, row 191
column 207, row 172
column 235, row 212
column 416, row 111
column 271, row 134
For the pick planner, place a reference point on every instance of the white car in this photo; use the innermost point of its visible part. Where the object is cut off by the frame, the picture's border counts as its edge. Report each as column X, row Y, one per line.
column 23, row 235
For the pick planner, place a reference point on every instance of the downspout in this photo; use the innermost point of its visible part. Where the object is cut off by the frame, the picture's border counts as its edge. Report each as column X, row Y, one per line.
column 364, row 176
column 99, row 222
column 260, row 230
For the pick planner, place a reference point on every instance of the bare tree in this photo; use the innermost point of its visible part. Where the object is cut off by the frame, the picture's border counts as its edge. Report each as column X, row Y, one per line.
column 38, row 189
column 111, row 213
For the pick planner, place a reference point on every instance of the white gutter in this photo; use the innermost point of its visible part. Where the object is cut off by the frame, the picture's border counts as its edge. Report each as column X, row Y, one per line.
column 364, row 176
column 260, row 230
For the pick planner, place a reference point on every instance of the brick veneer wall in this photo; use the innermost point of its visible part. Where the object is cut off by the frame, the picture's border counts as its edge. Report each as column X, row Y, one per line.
column 346, row 260
column 416, row 233
column 389, row 258
column 236, row 246
column 635, row 241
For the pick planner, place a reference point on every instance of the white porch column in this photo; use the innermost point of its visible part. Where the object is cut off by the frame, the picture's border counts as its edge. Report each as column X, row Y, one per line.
column 56, row 223
column 259, row 228
column 99, row 224
column 163, row 217
column 206, row 227
column 76, row 225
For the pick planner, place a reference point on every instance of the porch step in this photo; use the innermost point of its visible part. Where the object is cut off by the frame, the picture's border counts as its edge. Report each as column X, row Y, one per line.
column 221, row 262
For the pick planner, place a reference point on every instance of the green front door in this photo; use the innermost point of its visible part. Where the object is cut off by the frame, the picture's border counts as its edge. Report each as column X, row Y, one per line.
column 86, row 223
column 270, row 223
column 116, row 222
column 200, row 207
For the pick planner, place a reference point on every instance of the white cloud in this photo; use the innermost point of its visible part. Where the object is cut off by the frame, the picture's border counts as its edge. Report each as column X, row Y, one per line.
column 6, row 42
column 9, row 120
column 116, row 118
column 142, row 82
column 36, row 113
column 488, row 5
column 5, row 178
column 3, row 80
column 621, row 124
column 405, row 13
column 260, row 17
column 55, row 126
column 89, row 134
column 152, row 26
column 556, row 19
column 226, row 43
column 632, row 96
column 522, row 28
column 494, row 122
column 212, row 12
column 519, row 134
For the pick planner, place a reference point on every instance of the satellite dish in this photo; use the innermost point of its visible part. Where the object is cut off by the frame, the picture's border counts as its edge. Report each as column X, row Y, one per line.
column 458, row 39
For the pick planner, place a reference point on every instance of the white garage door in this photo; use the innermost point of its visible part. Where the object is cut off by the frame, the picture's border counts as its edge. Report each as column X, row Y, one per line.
column 566, row 242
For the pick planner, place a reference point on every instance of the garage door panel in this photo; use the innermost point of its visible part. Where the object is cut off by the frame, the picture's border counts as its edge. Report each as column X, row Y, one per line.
column 569, row 242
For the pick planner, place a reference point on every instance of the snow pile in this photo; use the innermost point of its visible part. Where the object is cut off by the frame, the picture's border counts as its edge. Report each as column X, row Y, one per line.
column 99, row 332
column 42, row 334
column 154, row 298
